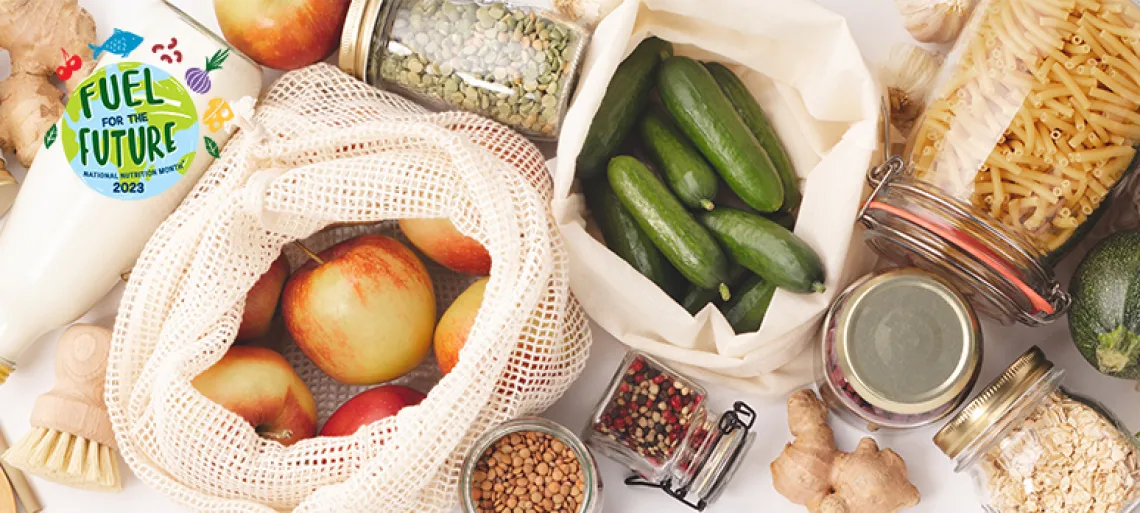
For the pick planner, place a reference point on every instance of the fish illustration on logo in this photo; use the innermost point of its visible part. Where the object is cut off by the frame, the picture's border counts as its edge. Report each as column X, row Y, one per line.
column 121, row 43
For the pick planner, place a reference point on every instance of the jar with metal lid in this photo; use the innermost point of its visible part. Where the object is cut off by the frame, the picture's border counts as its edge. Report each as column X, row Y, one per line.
column 900, row 349
column 515, row 65
column 1034, row 120
column 1032, row 446
column 547, row 488
column 656, row 422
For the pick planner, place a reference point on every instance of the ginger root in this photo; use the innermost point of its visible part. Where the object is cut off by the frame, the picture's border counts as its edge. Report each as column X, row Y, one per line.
column 34, row 32
column 813, row 472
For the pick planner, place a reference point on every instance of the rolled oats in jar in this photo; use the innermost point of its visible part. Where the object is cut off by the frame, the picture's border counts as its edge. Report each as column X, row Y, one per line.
column 1034, row 447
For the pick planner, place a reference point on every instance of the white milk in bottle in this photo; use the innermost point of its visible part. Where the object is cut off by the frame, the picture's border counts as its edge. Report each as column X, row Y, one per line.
column 134, row 139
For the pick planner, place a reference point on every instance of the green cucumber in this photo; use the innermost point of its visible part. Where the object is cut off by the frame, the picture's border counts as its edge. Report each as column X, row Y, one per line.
column 696, row 299
column 746, row 311
column 627, row 240
column 753, row 116
column 623, row 102
column 767, row 249
column 683, row 241
column 681, row 165
column 707, row 116
column 783, row 218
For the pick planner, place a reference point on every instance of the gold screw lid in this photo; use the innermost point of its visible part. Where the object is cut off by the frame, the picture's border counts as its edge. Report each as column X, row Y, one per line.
column 993, row 403
column 356, row 37
column 907, row 342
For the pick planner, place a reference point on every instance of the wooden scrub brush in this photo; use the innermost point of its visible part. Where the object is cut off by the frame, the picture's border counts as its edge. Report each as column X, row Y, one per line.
column 72, row 442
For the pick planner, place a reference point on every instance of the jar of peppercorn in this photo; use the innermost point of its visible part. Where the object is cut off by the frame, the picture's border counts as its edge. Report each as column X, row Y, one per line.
column 656, row 422
column 900, row 349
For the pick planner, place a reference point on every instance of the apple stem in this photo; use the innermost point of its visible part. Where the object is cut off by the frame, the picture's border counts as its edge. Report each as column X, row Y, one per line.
column 309, row 252
column 284, row 434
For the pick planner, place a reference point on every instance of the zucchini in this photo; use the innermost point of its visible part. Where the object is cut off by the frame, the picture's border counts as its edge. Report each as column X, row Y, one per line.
column 767, row 249
column 682, row 166
column 753, row 116
column 623, row 102
column 1104, row 319
column 683, row 241
column 746, row 311
column 696, row 299
column 706, row 115
column 627, row 240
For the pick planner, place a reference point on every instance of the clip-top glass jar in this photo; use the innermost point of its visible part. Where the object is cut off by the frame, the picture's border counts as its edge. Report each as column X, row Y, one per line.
column 656, row 422
column 1032, row 446
column 1034, row 121
column 900, row 349
column 515, row 65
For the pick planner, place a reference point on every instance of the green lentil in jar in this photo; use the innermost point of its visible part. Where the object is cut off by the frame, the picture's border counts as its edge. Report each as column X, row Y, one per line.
column 514, row 66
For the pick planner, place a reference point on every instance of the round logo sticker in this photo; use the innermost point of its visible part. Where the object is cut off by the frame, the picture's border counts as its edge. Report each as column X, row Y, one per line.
column 130, row 131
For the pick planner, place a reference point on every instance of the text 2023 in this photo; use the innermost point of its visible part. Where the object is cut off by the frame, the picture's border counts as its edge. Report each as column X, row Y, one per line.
column 128, row 187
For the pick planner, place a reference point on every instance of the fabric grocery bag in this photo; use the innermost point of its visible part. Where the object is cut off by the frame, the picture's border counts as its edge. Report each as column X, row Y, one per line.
column 325, row 149
column 801, row 62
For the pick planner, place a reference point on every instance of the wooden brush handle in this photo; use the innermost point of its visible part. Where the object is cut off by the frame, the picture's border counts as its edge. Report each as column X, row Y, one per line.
column 75, row 405
column 7, row 497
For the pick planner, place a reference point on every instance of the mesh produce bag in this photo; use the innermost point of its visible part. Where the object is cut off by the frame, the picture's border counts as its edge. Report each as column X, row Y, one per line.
column 326, row 149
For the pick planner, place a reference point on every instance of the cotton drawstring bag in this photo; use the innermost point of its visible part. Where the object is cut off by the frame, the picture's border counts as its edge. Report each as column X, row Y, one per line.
column 324, row 148
column 804, row 68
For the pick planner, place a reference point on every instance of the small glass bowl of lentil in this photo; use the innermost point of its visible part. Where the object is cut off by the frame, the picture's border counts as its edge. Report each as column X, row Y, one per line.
column 530, row 465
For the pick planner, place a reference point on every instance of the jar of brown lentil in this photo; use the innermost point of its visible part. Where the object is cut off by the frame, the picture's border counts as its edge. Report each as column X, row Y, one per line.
column 656, row 422
column 1034, row 447
column 515, row 65
column 532, row 465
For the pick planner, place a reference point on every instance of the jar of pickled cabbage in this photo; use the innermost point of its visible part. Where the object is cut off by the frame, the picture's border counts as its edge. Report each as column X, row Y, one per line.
column 1034, row 120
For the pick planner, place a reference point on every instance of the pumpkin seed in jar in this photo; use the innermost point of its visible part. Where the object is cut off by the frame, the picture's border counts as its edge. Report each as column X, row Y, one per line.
column 510, row 64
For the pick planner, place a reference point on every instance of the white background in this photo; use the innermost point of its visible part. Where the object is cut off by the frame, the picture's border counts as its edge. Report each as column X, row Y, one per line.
column 876, row 27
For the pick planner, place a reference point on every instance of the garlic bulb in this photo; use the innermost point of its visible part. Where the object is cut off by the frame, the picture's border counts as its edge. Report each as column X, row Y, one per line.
column 908, row 76
column 935, row 21
column 8, row 188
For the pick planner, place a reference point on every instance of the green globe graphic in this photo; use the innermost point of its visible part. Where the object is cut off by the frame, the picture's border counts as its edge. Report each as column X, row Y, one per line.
column 130, row 131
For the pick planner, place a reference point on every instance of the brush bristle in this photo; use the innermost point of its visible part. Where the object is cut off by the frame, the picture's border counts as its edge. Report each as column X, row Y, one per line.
column 66, row 459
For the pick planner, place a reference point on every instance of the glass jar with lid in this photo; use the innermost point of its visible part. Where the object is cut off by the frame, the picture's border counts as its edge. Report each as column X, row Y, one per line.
column 900, row 349
column 1033, row 121
column 515, row 65
column 1032, row 446
column 656, row 422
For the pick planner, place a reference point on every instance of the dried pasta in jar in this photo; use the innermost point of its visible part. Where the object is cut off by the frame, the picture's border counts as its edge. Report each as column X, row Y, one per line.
column 1038, row 116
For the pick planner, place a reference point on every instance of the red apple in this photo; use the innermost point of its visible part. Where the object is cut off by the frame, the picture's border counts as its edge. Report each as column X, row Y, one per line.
column 368, row 407
column 283, row 34
column 442, row 242
column 261, row 387
column 363, row 310
column 261, row 302
column 455, row 325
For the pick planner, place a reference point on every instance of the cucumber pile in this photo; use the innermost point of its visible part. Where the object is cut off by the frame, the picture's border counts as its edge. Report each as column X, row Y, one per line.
column 707, row 130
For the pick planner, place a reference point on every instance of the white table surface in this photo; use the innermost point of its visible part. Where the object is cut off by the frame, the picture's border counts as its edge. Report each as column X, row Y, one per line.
column 876, row 27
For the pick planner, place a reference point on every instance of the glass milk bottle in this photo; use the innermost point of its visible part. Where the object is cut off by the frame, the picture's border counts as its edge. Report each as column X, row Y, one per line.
column 133, row 140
